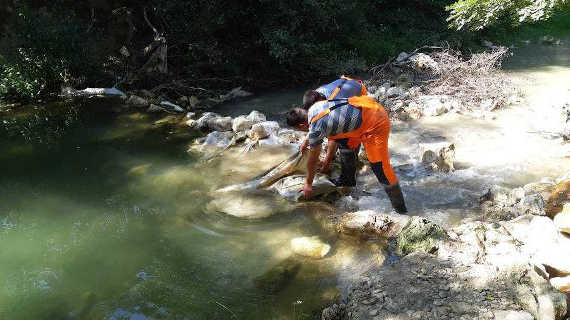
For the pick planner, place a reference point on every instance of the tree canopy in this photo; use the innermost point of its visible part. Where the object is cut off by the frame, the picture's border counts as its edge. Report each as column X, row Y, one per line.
column 479, row 14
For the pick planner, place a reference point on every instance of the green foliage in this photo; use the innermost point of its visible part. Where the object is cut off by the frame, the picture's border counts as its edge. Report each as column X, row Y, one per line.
column 256, row 43
column 480, row 14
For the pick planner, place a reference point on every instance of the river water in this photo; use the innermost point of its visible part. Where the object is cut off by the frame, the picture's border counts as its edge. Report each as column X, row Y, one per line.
column 106, row 216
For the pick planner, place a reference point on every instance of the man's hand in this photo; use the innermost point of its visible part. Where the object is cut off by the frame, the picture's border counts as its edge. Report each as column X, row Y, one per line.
column 307, row 190
column 304, row 144
column 325, row 166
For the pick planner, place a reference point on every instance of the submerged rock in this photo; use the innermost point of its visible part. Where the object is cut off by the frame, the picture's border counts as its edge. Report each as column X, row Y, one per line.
column 311, row 247
column 217, row 139
column 275, row 279
column 420, row 234
column 242, row 205
column 291, row 187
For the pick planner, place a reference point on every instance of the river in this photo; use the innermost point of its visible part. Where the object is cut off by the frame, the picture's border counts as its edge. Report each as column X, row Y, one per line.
column 106, row 216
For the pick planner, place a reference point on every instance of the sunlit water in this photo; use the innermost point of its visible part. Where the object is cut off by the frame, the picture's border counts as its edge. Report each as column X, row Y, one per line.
column 106, row 216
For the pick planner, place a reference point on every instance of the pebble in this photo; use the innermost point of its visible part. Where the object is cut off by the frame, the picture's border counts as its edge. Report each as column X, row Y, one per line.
column 373, row 313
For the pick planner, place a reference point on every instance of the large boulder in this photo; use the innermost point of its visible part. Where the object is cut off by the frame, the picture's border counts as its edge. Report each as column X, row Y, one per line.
column 420, row 234
column 540, row 298
column 562, row 284
column 311, row 247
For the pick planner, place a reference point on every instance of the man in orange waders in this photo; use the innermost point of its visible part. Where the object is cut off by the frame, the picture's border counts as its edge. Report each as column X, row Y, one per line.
column 342, row 88
column 358, row 119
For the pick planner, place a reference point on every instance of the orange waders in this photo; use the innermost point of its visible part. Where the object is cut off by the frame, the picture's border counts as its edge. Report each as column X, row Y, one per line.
column 373, row 133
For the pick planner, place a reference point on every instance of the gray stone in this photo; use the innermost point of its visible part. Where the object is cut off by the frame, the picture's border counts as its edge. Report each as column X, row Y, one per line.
column 512, row 315
column 256, row 116
column 153, row 108
column 420, row 234
column 137, row 101
column 220, row 124
column 241, row 123
column 394, row 92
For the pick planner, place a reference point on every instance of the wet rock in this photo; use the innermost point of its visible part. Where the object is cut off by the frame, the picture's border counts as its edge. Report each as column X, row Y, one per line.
column 402, row 57
column 371, row 224
column 256, row 116
column 202, row 122
column 279, row 276
column 439, row 156
column 562, row 219
column 220, row 124
column 263, row 129
column 137, row 101
column 241, row 123
column 513, row 315
column 171, row 106
column 291, row 187
column 311, row 247
column 217, row 139
column 420, row 234
column 245, row 206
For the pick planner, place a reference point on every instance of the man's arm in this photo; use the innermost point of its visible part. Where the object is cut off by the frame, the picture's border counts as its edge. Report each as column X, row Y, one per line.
column 331, row 151
column 314, row 154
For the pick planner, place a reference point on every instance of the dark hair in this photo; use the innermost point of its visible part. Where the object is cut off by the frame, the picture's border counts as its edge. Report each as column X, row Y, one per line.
column 310, row 97
column 296, row 116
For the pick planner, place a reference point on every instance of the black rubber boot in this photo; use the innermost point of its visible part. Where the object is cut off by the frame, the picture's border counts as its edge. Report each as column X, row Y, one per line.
column 394, row 192
column 348, row 167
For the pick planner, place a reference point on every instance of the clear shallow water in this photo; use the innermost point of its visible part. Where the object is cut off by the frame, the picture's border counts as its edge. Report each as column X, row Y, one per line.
column 108, row 217
column 110, row 220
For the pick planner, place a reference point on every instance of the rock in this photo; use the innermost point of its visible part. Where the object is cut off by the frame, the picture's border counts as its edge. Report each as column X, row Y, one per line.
column 420, row 234
column 139, row 170
column 561, row 283
column 137, row 101
column 421, row 62
column 271, row 141
column 171, row 106
column 551, row 303
column 311, row 247
column 291, row 187
column 153, row 108
column 334, row 312
column 371, row 224
column 202, row 122
column 256, row 116
column 434, row 105
column 241, row 123
column 192, row 123
column 279, row 276
column 402, row 57
column 220, row 124
column 533, row 204
column 394, row 92
column 244, row 206
column 562, row 219
column 190, row 115
column 235, row 93
column 217, row 139
column 559, row 196
column 263, row 129
column 489, row 105
column 440, row 156
column 513, row 315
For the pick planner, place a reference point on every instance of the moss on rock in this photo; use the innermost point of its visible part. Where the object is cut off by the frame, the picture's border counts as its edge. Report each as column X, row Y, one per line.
column 420, row 234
